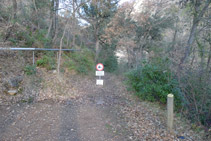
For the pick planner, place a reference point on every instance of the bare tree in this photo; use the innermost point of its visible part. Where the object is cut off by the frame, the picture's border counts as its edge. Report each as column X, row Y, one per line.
column 60, row 47
column 199, row 10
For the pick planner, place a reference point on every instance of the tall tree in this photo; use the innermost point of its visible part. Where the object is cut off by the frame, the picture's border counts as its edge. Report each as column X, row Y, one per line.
column 198, row 7
column 74, row 21
column 97, row 13
column 55, row 19
column 51, row 18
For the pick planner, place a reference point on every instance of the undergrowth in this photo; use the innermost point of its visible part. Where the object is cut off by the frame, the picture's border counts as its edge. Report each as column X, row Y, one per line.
column 47, row 61
column 152, row 83
column 108, row 58
column 82, row 61
column 30, row 70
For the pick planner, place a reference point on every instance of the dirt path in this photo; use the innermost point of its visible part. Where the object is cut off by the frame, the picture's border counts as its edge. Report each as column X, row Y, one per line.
column 95, row 113
column 88, row 118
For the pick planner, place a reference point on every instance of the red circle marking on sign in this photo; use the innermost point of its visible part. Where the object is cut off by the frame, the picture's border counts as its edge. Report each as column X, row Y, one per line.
column 99, row 67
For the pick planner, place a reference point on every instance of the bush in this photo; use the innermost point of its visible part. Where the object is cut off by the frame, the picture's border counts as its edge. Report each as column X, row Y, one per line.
column 25, row 36
column 47, row 61
column 35, row 39
column 30, row 70
column 110, row 63
column 153, row 83
column 40, row 37
column 82, row 62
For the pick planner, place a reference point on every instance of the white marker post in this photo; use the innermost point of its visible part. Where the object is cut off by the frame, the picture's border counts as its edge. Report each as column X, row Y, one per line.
column 99, row 73
column 170, row 111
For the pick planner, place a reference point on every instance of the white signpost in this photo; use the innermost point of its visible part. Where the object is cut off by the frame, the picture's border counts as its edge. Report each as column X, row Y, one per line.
column 99, row 73
column 99, row 82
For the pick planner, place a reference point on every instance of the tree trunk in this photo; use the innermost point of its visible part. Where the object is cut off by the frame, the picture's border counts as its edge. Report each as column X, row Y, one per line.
column 97, row 49
column 56, row 21
column 55, row 36
column 68, row 38
column 131, row 58
column 73, row 42
column 196, row 19
column 174, row 38
column 208, row 61
column 192, row 61
column 97, row 43
column 189, row 43
column 15, row 7
column 36, row 13
column 49, row 29
column 51, row 24
column 73, row 24
column 128, row 59
column 60, row 49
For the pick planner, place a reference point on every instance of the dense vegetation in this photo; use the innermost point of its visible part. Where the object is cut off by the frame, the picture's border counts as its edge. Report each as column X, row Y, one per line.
column 162, row 46
column 153, row 83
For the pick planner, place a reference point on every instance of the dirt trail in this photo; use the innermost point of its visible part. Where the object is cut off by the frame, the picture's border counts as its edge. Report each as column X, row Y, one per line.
column 96, row 113
column 85, row 119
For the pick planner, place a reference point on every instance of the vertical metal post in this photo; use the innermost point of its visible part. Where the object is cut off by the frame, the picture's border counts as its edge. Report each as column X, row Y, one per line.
column 57, row 57
column 170, row 111
column 33, row 57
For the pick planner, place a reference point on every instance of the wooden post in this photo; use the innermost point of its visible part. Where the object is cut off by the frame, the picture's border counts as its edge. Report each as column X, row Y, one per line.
column 170, row 111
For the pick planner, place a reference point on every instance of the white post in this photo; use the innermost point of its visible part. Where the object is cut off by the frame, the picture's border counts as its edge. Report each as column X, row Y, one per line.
column 170, row 111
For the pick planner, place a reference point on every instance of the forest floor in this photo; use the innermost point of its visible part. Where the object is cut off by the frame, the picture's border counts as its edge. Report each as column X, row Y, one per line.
column 73, row 108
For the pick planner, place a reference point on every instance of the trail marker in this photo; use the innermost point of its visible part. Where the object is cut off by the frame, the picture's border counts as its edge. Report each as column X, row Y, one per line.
column 99, row 73
column 99, row 82
column 170, row 111
column 99, row 67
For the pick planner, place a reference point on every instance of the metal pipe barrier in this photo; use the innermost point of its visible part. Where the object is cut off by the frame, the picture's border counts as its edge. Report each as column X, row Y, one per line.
column 36, row 49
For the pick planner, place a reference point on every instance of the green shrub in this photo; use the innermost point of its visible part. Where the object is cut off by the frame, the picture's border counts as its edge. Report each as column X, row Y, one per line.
column 36, row 39
column 13, row 40
column 25, row 36
column 153, row 83
column 110, row 63
column 40, row 36
column 82, row 61
column 30, row 69
column 47, row 62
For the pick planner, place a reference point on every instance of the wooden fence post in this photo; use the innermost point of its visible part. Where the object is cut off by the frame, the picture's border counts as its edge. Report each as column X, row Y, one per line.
column 170, row 111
